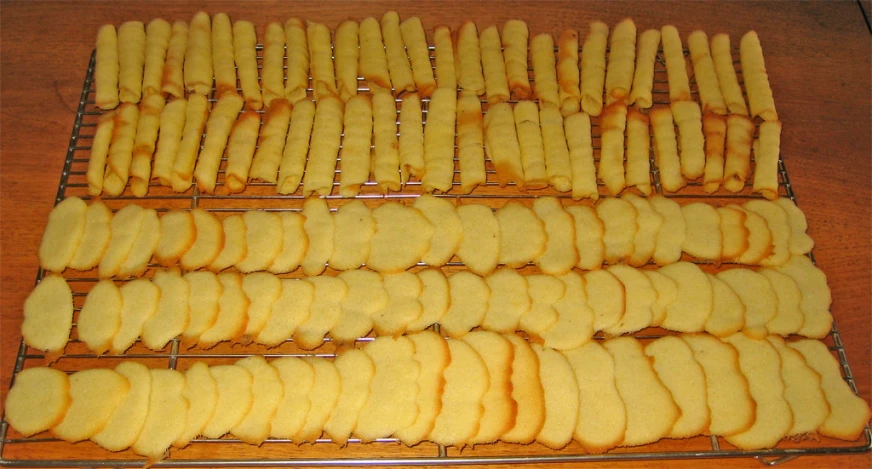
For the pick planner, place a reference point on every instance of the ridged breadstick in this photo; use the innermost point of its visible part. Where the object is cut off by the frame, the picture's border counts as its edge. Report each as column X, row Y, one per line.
column 568, row 73
column 198, row 55
column 676, row 66
column 737, row 157
column 691, row 147
column 222, row 55
column 346, row 53
column 515, row 39
column 666, row 149
column 99, row 153
column 470, row 143
column 172, row 124
column 271, row 142
column 467, row 60
column 578, row 139
column 240, row 150
column 355, row 153
column 326, row 137
column 298, row 60
column 218, row 127
column 493, row 66
column 557, row 164
column 530, row 142
column 544, row 69
column 766, row 159
column 643, row 77
column 296, row 147
column 439, row 141
column 722, row 57
column 157, row 39
column 321, row 57
column 419, row 55
column 272, row 75
column 714, row 126
column 704, row 71
column 131, row 60
column 106, row 68
column 411, row 144
column 756, row 80
column 622, row 57
column 147, row 127
column 121, row 149
column 638, row 150
column 593, row 68
column 446, row 70
column 245, row 57
column 373, row 60
column 395, row 51
column 386, row 162
column 611, row 162
column 501, row 144
column 172, row 81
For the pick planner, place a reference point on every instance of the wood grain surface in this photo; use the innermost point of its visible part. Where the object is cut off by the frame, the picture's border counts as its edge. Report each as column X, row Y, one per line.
column 817, row 54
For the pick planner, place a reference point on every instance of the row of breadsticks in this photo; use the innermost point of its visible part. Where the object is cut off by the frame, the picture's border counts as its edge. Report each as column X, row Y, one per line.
column 203, row 308
column 394, row 237
column 483, row 388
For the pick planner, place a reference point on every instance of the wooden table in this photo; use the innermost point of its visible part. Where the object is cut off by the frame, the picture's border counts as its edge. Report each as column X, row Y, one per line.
column 818, row 57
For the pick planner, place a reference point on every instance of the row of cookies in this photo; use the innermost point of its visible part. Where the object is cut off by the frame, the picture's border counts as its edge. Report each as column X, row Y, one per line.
column 483, row 388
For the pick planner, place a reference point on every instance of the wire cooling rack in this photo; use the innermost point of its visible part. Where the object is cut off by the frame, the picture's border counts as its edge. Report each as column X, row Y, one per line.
column 45, row 451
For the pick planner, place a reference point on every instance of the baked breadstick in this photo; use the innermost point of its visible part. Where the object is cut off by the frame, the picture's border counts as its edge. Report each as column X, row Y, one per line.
column 411, row 144
column 356, row 143
column 691, row 146
column 386, row 162
column 578, row 138
column 593, row 68
column 321, row 56
column 196, row 112
column 121, row 149
column 704, row 71
column 172, row 82
column 439, row 141
column 245, row 57
column 766, row 159
column 222, row 55
column 346, row 53
column 131, row 60
column 714, row 126
column 419, row 55
column 676, row 66
column 493, row 66
column 611, row 162
column 296, row 147
column 326, row 138
column 530, row 142
column 198, row 55
column 272, row 75
column 568, row 73
column 470, row 77
column 622, row 58
column 756, row 80
column 544, row 69
column 147, row 127
column 221, row 120
column 737, row 156
column 666, row 149
column 99, row 153
column 298, row 60
column 271, row 142
column 373, row 59
column 395, row 51
column 557, row 162
column 172, row 124
column 157, row 39
column 515, row 39
column 470, row 143
column 240, row 150
column 643, row 77
column 106, row 68
column 722, row 57
column 446, row 70
column 638, row 150
column 501, row 144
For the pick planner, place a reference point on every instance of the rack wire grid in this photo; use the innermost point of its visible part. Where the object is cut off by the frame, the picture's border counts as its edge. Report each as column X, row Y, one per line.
column 45, row 451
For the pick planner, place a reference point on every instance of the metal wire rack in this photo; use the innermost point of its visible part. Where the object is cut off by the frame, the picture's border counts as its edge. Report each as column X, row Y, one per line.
column 45, row 451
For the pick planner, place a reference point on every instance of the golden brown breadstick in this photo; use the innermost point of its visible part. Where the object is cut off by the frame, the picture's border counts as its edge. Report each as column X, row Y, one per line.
column 691, row 146
column 99, row 152
column 121, row 149
column 147, row 127
column 196, row 112
column 419, row 55
column 714, row 126
column 439, row 141
column 470, row 143
column 356, row 143
column 578, row 138
column 446, row 71
column 106, row 68
column 638, row 150
column 386, row 162
column 172, row 124
column 198, row 55
column 157, row 39
column 593, row 68
column 172, row 82
column 298, row 60
column 296, row 147
column 222, row 55
column 622, row 57
column 326, row 138
column 221, row 120
column 704, row 71
column 373, row 59
column 544, row 69
column 321, row 56
column 766, row 159
column 557, row 162
column 723, row 60
column 131, row 60
column 493, row 66
column 515, row 38
column 411, row 144
column 346, row 53
column 611, row 162
column 467, row 59
column 643, row 77
column 245, row 57
column 271, row 142
column 676, row 66
column 666, row 149
column 756, row 80
column 530, row 142
column 568, row 73
column 395, row 51
column 272, row 75
column 240, row 150
column 737, row 158
column 501, row 144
